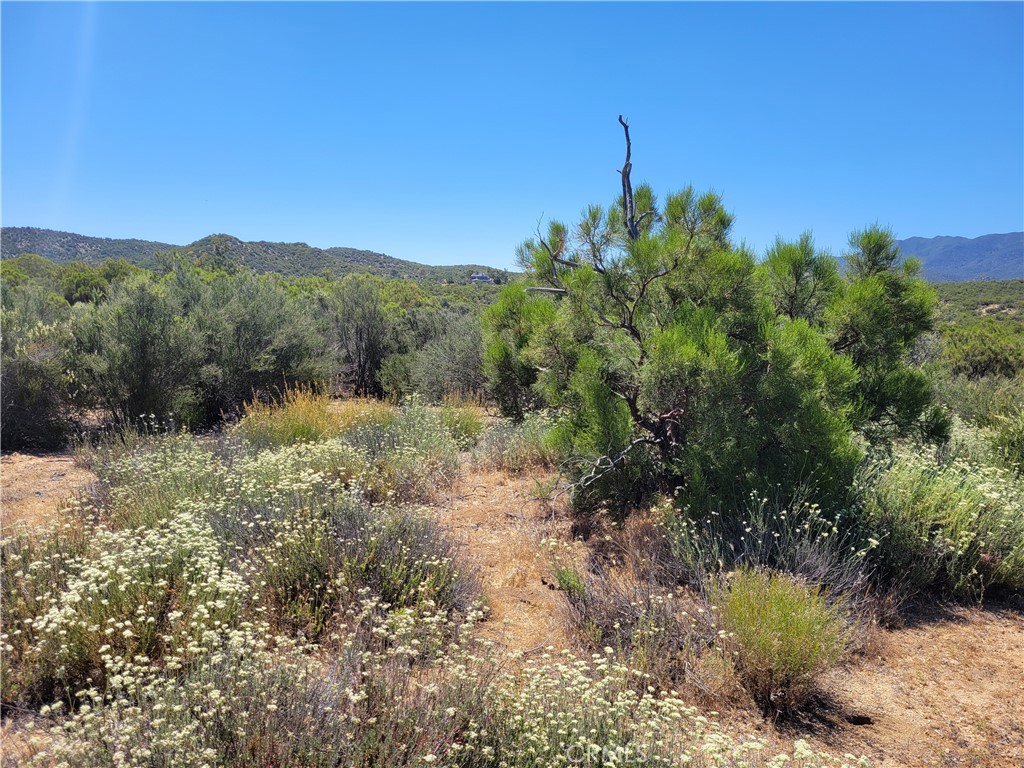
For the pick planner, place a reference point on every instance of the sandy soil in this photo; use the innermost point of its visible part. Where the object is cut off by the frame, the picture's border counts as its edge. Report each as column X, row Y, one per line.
column 33, row 487
column 501, row 525
column 948, row 690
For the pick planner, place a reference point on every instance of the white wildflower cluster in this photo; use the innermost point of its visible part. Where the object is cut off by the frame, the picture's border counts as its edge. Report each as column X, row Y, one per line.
column 254, row 609
column 246, row 696
column 134, row 594
column 961, row 519
column 572, row 711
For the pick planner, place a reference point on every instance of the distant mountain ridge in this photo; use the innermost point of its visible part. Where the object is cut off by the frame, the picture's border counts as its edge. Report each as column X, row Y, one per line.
column 945, row 258
column 296, row 259
column 958, row 259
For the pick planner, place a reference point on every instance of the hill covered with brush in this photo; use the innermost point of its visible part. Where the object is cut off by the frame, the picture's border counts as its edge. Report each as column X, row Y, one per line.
column 295, row 259
column 956, row 259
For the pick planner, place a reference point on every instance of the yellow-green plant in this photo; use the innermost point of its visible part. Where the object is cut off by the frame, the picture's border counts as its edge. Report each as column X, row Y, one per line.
column 302, row 416
column 781, row 634
column 464, row 422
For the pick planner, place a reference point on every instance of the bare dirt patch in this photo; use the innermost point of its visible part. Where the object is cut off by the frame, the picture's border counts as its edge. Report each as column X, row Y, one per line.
column 502, row 525
column 946, row 691
column 994, row 309
column 32, row 488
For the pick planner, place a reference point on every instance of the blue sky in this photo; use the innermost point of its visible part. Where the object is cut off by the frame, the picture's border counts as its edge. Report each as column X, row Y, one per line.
column 443, row 133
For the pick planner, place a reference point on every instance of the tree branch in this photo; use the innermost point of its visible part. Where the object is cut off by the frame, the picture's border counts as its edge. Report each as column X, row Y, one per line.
column 628, row 206
column 643, row 216
column 605, row 464
column 541, row 289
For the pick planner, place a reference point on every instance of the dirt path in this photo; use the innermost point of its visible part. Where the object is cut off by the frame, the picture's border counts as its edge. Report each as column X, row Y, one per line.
column 33, row 487
column 501, row 525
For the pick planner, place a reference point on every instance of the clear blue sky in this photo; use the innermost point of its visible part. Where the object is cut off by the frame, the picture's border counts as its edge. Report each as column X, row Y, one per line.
column 443, row 133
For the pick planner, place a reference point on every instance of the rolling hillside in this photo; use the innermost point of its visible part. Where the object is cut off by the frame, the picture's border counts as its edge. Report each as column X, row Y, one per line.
column 296, row 259
column 956, row 259
column 945, row 259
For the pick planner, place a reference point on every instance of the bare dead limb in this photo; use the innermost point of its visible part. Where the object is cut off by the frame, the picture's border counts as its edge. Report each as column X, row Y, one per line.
column 605, row 464
column 628, row 206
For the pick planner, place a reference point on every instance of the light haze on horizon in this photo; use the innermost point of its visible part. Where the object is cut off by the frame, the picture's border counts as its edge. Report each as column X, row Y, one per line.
column 443, row 133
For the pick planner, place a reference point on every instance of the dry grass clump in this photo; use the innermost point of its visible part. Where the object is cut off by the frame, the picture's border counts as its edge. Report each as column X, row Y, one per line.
column 465, row 423
column 517, row 447
column 94, row 450
column 625, row 598
column 308, row 416
column 304, row 415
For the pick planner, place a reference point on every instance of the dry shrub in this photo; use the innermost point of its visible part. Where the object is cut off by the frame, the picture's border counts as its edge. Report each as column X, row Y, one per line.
column 302, row 416
column 356, row 412
column 626, row 597
column 517, row 447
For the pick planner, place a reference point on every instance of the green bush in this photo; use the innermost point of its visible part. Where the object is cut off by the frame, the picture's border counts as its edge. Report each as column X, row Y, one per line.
column 508, row 326
column 36, row 382
column 675, row 359
column 450, row 365
column 141, row 353
column 953, row 528
column 259, row 338
column 984, row 346
column 782, row 633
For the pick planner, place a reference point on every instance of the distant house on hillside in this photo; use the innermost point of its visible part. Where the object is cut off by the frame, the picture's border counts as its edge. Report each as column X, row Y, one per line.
column 480, row 277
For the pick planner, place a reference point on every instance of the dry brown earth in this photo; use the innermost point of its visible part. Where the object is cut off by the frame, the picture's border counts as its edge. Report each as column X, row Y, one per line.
column 32, row 487
column 502, row 526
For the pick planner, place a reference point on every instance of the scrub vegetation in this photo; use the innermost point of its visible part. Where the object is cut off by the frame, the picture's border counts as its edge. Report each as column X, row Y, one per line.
column 762, row 462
